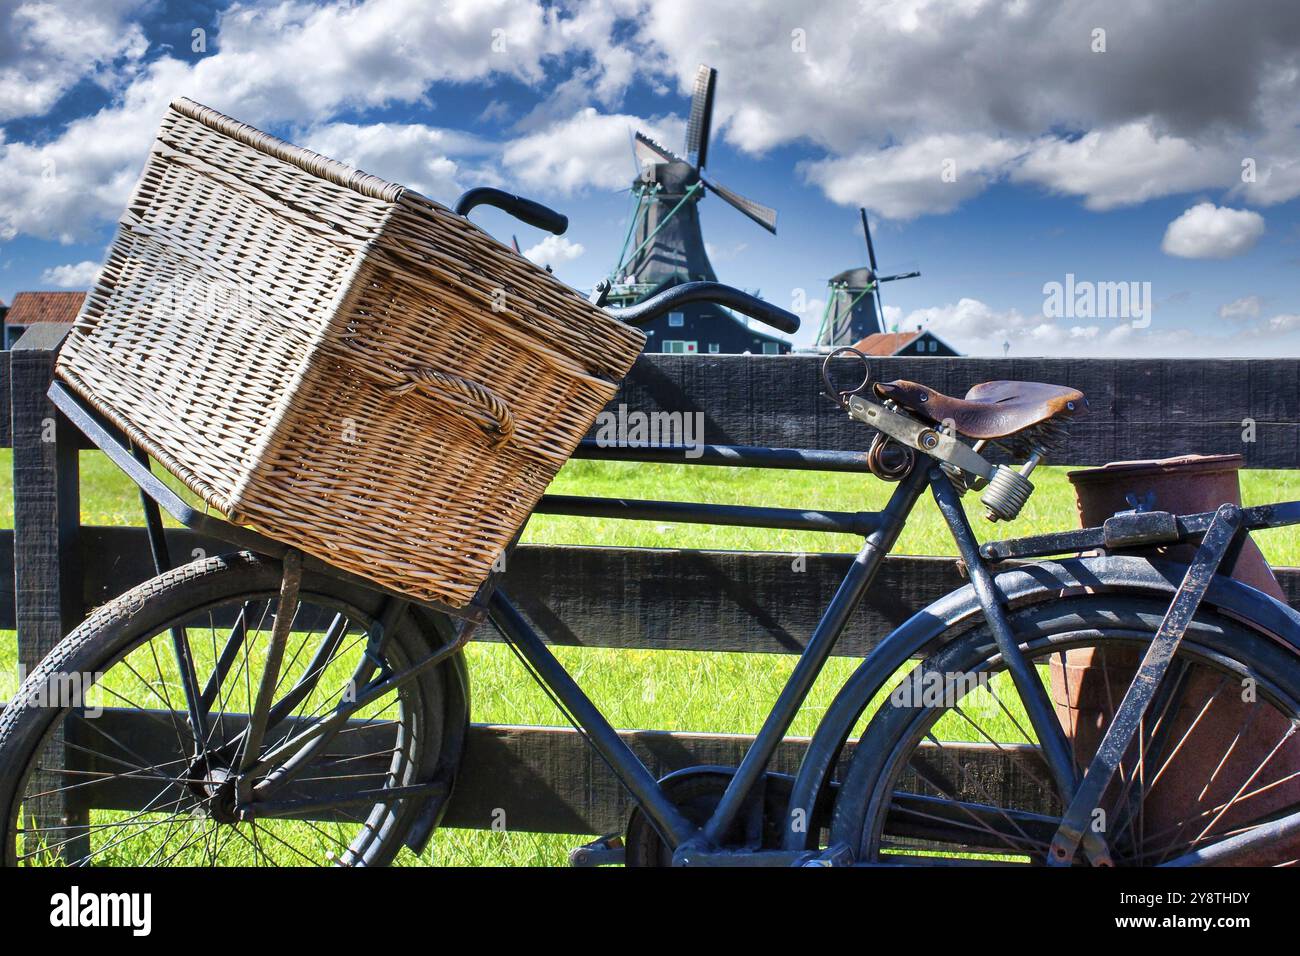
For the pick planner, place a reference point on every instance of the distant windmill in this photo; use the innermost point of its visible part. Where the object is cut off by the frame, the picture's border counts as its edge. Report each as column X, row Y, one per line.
column 853, row 309
column 664, row 245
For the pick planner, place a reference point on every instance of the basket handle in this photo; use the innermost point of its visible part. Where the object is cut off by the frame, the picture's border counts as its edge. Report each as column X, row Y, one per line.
column 477, row 397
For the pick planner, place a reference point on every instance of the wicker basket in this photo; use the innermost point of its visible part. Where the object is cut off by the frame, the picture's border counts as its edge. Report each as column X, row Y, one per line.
column 336, row 361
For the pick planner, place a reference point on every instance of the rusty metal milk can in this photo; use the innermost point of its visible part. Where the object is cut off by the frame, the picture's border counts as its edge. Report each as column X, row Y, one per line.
column 1197, row 781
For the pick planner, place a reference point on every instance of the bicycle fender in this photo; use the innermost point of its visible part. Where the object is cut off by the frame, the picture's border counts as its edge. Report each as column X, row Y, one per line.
column 959, row 610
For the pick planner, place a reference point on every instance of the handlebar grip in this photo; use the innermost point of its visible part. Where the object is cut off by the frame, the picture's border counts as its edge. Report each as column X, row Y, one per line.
column 760, row 310
column 726, row 295
column 525, row 210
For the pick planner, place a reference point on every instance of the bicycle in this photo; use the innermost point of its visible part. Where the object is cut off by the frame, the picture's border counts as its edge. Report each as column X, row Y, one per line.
column 344, row 748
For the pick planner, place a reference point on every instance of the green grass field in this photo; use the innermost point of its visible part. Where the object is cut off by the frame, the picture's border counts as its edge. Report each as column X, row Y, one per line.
column 696, row 691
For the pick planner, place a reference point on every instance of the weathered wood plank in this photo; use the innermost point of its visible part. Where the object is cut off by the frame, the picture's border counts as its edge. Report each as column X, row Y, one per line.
column 1140, row 408
column 117, row 559
column 755, row 602
column 47, row 521
column 622, row 597
column 548, row 780
column 533, row 779
column 710, row 600
column 6, row 430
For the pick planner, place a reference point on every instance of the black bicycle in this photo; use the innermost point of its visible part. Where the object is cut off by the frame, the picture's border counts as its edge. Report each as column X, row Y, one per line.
column 264, row 708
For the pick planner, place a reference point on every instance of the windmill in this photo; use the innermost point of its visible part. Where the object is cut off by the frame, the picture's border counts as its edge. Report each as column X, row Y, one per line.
column 853, row 309
column 664, row 245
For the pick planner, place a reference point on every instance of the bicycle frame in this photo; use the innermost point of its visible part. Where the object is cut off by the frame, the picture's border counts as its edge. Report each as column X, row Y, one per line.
column 1222, row 531
column 702, row 844
column 676, row 831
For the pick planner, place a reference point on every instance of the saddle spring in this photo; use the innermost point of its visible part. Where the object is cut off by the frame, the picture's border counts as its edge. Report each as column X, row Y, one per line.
column 1007, row 491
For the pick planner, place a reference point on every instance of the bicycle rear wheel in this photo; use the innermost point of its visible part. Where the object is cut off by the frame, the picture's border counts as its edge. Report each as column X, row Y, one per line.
column 948, row 771
column 100, row 763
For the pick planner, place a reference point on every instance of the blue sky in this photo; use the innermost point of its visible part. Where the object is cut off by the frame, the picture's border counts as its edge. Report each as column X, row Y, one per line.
column 1000, row 147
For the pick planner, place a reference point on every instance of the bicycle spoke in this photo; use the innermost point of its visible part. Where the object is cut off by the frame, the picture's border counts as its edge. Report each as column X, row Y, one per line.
column 227, row 657
column 948, row 790
column 1290, row 731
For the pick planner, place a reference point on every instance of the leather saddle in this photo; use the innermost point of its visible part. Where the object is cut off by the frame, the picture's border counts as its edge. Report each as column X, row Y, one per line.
column 989, row 410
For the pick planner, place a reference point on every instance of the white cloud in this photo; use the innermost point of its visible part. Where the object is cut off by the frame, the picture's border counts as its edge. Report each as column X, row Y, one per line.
column 430, row 160
column 976, row 328
column 292, row 63
column 1180, row 96
column 587, row 150
column 1277, row 179
column 1123, row 165
column 296, row 60
column 933, row 174
column 554, row 250
column 1288, row 322
column 80, row 179
column 918, row 66
column 1173, row 113
column 1247, row 307
column 46, row 47
column 968, row 320
column 75, row 275
column 1207, row 231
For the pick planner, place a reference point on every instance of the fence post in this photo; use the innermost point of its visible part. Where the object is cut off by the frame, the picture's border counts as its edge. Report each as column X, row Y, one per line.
column 47, row 554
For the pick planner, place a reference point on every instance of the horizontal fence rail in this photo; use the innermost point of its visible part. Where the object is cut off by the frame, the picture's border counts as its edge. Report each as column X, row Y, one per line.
column 634, row 598
column 536, row 779
column 1138, row 408
column 546, row 779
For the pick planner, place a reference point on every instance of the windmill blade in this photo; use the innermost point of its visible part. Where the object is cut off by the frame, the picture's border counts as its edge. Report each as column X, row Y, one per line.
column 636, row 157
column 763, row 215
column 866, row 230
column 514, row 242
column 697, row 128
column 647, row 150
column 901, row 275
column 871, row 256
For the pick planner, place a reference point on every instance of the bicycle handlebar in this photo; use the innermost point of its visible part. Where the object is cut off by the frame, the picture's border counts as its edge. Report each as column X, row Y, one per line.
column 715, row 292
column 535, row 214
column 525, row 210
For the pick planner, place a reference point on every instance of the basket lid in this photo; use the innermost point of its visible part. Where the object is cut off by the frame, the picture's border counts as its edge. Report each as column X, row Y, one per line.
column 341, row 174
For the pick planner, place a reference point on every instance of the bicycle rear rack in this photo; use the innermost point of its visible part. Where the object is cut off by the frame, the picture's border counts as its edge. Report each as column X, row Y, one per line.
column 1134, row 529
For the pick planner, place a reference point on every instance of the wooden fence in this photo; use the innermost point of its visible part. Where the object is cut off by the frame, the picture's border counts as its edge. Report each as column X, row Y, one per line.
column 544, row 777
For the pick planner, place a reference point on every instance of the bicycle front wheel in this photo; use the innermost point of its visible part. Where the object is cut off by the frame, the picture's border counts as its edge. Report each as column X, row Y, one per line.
column 949, row 771
column 101, row 763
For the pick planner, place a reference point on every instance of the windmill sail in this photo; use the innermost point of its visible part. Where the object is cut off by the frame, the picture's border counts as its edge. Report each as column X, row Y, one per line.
column 697, row 128
column 866, row 229
column 763, row 215
column 648, row 151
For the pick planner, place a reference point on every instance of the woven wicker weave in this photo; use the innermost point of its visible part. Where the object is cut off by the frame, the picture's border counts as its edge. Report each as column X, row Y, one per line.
column 335, row 360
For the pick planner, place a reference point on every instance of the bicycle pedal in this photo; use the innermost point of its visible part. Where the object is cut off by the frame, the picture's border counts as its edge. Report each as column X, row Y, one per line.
column 605, row 851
